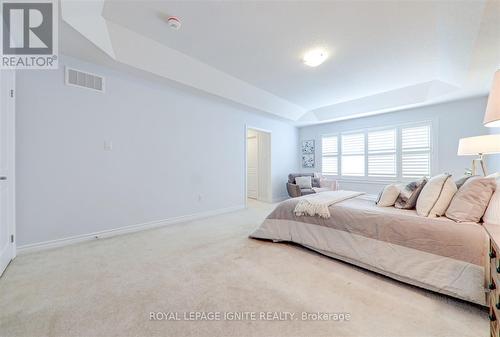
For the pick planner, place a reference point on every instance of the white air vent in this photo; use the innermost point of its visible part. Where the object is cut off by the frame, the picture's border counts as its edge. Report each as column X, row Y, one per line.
column 84, row 80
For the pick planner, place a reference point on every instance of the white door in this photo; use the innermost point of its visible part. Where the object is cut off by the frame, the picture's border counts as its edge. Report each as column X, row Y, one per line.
column 252, row 167
column 264, row 164
column 7, row 208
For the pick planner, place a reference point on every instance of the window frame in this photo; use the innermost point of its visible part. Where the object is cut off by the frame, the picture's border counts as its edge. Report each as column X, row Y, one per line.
column 432, row 124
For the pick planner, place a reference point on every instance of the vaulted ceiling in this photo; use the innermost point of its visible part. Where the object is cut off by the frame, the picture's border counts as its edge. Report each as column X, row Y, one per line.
column 383, row 56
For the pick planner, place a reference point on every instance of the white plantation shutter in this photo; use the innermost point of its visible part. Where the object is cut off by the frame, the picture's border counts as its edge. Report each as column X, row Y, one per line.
column 353, row 154
column 329, row 155
column 330, row 165
column 416, row 151
column 382, row 153
column 396, row 153
column 330, row 145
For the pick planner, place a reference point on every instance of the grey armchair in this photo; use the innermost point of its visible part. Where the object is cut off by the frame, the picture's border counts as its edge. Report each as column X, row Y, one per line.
column 294, row 190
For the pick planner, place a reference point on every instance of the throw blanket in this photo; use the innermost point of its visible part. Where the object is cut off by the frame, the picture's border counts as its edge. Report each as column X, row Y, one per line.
column 318, row 203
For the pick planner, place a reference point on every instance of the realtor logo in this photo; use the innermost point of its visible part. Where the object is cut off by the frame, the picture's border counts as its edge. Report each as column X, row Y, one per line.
column 29, row 35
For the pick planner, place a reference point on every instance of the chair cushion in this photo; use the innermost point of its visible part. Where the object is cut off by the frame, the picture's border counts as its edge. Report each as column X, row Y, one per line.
column 306, row 191
column 304, row 182
column 292, row 176
column 315, row 180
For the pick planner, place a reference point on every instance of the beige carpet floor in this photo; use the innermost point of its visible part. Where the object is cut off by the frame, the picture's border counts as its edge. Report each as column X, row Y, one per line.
column 108, row 287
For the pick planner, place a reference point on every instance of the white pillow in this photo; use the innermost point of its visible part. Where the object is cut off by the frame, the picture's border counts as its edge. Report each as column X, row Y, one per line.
column 436, row 196
column 492, row 214
column 494, row 175
column 388, row 196
column 304, row 182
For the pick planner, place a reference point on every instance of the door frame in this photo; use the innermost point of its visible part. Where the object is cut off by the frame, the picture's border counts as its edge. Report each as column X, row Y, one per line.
column 255, row 138
column 245, row 170
column 9, row 93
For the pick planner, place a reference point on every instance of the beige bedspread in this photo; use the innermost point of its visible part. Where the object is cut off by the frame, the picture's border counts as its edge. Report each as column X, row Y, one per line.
column 434, row 253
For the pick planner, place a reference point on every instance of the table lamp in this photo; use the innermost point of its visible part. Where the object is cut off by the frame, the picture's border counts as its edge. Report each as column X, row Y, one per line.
column 492, row 115
column 479, row 146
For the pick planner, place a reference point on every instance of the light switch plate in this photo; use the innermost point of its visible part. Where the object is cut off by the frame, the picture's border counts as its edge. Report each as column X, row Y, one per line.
column 108, row 145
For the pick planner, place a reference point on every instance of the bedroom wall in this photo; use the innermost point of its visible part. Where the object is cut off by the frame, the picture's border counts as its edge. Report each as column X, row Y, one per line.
column 174, row 153
column 451, row 121
column 494, row 160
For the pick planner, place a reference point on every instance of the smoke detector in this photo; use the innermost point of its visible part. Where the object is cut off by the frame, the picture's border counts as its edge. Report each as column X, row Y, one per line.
column 174, row 22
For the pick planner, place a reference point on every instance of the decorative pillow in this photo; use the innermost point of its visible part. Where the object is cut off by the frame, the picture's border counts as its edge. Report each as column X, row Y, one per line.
column 462, row 181
column 436, row 196
column 409, row 194
column 492, row 214
column 304, row 182
column 471, row 200
column 494, row 175
column 388, row 196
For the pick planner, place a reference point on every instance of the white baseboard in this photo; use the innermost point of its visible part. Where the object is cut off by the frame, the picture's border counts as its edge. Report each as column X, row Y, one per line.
column 32, row 247
column 5, row 257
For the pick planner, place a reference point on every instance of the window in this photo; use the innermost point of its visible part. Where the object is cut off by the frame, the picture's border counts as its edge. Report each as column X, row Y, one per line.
column 329, row 153
column 416, row 151
column 353, row 154
column 398, row 152
column 382, row 153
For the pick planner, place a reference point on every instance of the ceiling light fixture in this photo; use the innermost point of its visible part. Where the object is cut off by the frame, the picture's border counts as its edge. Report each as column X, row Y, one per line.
column 315, row 57
column 174, row 23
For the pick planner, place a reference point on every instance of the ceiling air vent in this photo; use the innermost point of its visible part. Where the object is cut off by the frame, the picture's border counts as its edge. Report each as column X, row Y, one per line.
column 84, row 80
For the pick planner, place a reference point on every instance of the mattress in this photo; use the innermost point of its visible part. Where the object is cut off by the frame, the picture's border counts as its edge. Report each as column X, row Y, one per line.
column 433, row 253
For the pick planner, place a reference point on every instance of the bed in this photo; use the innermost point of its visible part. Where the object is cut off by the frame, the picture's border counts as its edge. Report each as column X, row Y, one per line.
column 432, row 253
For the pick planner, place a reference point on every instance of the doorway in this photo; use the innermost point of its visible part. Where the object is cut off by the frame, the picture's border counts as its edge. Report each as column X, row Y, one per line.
column 258, row 165
column 7, row 206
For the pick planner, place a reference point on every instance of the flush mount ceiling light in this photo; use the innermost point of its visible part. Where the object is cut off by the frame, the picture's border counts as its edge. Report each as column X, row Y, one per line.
column 315, row 57
column 174, row 22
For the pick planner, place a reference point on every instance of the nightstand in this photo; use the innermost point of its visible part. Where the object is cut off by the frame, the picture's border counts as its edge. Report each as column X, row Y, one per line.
column 493, row 277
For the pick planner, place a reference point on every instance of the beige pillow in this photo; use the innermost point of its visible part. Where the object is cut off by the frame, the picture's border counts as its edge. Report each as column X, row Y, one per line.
column 436, row 196
column 388, row 195
column 304, row 182
column 471, row 200
column 462, row 181
column 492, row 214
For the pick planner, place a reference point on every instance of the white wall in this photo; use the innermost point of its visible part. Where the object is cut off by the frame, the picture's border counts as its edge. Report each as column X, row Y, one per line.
column 493, row 160
column 175, row 153
column 451, row 121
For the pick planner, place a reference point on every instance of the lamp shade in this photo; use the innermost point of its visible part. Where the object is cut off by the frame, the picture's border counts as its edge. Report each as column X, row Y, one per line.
column 492, row 115
column 480, row 144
